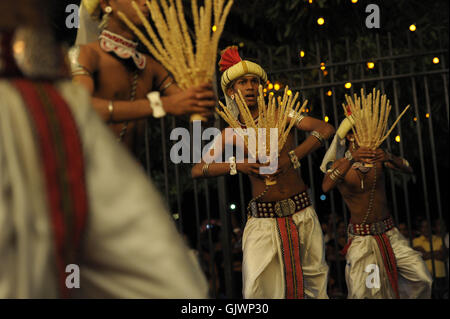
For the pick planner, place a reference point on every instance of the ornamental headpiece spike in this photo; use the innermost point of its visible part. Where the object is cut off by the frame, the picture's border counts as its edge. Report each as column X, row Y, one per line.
column 229, row 57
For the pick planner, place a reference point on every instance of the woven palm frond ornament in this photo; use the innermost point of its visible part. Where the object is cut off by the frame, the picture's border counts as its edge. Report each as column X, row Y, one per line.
column 274, row 114
column 370, row 114
column 191, row 61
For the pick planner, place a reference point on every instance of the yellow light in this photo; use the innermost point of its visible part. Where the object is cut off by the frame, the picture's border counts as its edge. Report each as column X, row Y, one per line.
column 276, row 87
column 265, row 90
column 241, row 44
column 348, row 85
column 427, row 115
column 289, row 92
column 412, row 28
column 271, row 93
column 354, row 1
column 320, row 21
column 310, row 1
column 436, row 60
column 415, row 119
column 370, row 65
column 397, row 138
column 326, row 119
column 329, row 93
column 270, row 86
column 302, row 54
column 214, row 28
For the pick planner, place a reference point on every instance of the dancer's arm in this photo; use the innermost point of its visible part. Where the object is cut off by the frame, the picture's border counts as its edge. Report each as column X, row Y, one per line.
column 321, row 129
column 199, row 99
column 336, row 174
column 393, row 162
column 218, row 168
column 312, row 143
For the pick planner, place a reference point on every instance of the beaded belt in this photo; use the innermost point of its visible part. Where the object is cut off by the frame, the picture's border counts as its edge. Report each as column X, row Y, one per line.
column 282, row 208
column 377, row 228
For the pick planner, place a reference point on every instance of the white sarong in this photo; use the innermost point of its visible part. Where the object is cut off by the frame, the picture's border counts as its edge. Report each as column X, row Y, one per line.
column 366, row 274
column 265, row 271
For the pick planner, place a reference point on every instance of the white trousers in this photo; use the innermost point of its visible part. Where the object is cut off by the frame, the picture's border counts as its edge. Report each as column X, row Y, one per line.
column 366, row 275
column 263, row 268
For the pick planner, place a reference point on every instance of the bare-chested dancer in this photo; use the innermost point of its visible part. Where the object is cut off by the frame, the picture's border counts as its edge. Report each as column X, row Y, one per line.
column 380, row 263
column 283, row 248
column 125, row 84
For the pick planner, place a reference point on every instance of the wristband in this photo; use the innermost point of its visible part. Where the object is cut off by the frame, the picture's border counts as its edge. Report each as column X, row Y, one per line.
column 294, row 160
column 156, row 104
column 336, row 175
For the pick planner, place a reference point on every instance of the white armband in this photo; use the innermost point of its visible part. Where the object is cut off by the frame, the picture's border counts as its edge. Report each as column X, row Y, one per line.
column 156, row 104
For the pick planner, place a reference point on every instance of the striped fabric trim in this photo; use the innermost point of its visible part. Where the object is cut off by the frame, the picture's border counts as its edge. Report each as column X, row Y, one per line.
column 389, row 261
column 244, row 67
column 290, row 248
column 63, row 166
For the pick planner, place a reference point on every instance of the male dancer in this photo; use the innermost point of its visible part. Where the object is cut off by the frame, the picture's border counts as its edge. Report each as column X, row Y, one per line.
column 78, row 217
column 125, row 84
column 380, row 262
column 283, row 248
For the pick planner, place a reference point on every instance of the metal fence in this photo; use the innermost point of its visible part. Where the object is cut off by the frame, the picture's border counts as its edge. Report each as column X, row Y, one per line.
column 212, row 212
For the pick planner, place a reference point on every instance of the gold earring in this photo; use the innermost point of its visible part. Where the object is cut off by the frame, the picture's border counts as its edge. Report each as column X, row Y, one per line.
column 105, row 18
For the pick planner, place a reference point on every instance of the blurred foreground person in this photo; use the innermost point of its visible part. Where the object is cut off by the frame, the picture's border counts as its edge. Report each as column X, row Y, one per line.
column 69, row 193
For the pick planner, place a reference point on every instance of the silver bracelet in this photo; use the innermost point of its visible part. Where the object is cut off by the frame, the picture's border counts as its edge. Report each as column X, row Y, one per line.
column 296, row 116
column 318, row 136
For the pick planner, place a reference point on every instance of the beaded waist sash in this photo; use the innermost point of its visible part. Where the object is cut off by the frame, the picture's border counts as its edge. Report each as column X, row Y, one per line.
column 282, row 208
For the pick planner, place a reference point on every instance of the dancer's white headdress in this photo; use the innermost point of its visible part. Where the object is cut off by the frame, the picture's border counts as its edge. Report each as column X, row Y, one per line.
column 337, row 147
column 89, row 15
column 233, row 67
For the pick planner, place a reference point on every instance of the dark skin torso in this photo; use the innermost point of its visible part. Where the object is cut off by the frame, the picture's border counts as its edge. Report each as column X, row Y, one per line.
column 357, row 199
column 288, row 183
column 113, row 80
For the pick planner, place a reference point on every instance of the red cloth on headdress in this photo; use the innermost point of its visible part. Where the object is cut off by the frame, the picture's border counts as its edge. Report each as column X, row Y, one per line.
column 229, row 57
column 348, row 110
